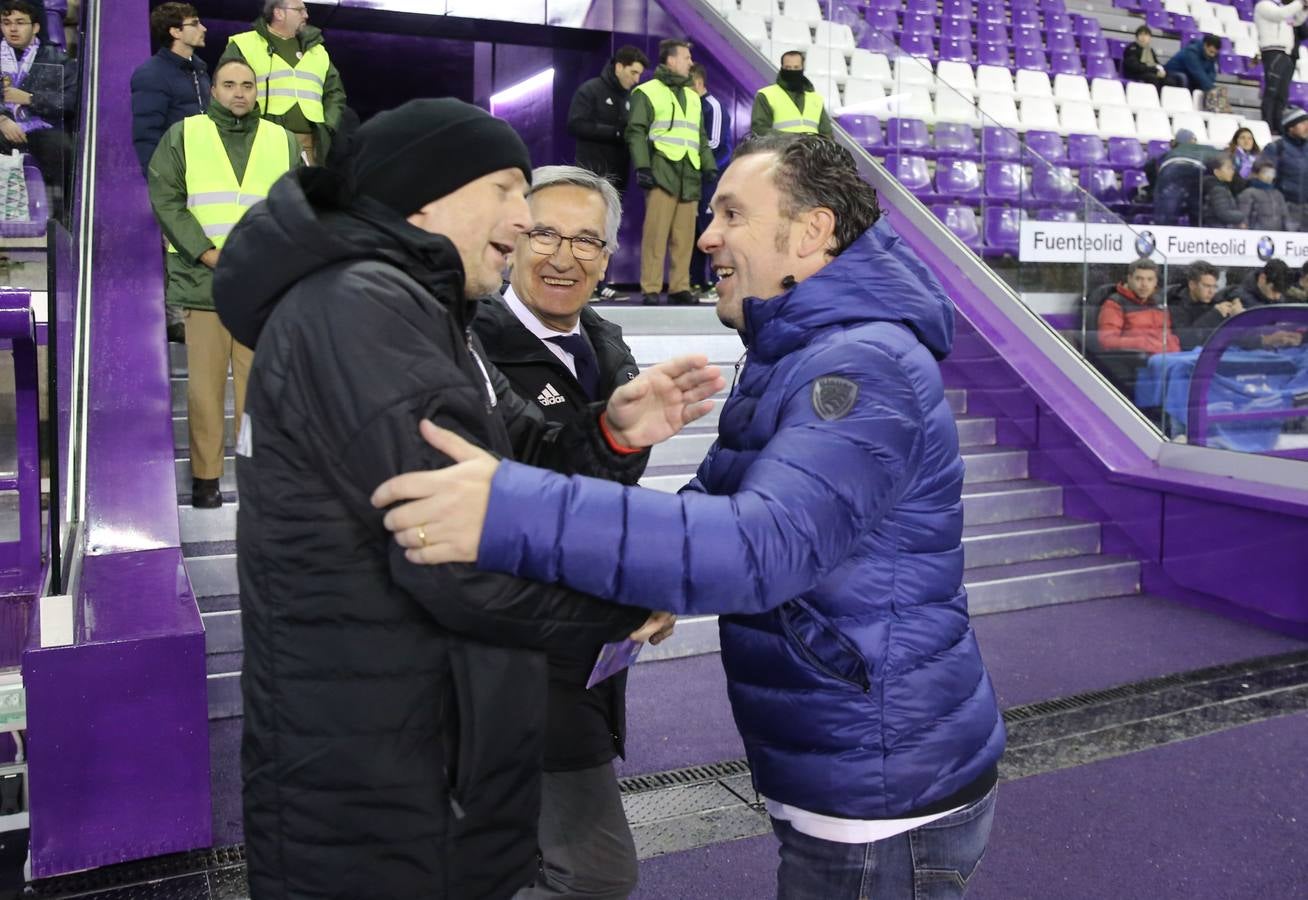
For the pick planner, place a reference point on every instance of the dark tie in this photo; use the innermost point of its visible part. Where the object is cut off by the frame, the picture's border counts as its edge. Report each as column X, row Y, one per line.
column 583, row 359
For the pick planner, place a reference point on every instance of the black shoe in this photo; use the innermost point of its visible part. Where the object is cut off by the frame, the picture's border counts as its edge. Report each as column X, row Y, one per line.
column 177, row 333
column 650, row 299
column 682, row 298
column 205, row 493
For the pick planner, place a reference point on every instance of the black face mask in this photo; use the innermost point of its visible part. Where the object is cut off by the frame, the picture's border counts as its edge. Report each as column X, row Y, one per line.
column 791, row 79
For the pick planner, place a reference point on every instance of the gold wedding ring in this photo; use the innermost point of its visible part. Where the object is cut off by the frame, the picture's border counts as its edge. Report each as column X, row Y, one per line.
column 422, row 535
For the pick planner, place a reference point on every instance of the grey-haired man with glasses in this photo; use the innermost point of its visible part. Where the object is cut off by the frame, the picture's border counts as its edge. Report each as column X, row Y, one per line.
column 557, row 352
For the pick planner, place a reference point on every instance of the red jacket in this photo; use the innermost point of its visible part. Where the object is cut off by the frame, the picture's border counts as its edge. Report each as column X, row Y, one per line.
column 1128, row 323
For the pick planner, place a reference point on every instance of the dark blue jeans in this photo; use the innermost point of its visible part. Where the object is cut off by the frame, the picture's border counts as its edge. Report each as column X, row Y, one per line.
column 932, row 862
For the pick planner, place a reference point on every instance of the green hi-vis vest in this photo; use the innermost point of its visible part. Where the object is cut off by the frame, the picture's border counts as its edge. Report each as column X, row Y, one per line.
column 672, row 132
column 213, row 195
column 280, row 86
column 787, row 117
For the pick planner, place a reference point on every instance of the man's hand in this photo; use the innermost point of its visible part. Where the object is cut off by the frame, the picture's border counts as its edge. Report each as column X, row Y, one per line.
column 17, row 95
column 657, row 628
column 12, row 131
column 645, row 178
column 1278, row 339
column 446, row 512
column 210, row 257
column 1230, row 308
column 662, row 400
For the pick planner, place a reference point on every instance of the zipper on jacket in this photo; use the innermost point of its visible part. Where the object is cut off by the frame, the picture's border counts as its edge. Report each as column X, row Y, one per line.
column 491, row 400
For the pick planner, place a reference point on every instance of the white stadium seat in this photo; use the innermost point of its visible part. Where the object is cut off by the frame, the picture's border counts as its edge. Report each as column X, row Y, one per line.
column 1031, row 83
column 998, row 109
column 866, row 64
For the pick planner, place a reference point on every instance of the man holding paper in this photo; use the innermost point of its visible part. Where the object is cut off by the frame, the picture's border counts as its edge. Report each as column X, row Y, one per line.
column 562, row 356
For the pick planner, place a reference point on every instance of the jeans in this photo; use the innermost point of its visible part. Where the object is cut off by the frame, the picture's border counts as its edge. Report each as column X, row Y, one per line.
column 932, row 862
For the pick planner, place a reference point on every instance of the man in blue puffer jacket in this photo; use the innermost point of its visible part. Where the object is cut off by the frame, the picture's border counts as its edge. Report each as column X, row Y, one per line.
column 825, row 526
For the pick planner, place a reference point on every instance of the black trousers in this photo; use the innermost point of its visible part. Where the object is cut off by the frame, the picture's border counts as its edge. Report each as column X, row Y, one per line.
column 1278, row 67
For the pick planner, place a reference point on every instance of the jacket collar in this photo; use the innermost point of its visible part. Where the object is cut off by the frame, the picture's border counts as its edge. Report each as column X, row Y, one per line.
column 610, row 78
column 309, row 36
column 223, row 118
column 194, row 63
column 508, row 341
column 670, row 78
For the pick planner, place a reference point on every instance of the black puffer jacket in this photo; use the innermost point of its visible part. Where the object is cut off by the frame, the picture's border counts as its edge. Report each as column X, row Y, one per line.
column 394, row 713
column 583, row 728
column 597, row 118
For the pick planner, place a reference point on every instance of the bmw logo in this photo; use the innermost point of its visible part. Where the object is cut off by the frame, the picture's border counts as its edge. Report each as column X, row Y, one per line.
column 1145, row 243
column 1266, row 248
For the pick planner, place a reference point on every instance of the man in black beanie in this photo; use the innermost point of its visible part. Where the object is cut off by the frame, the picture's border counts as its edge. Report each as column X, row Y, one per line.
column 393, row 713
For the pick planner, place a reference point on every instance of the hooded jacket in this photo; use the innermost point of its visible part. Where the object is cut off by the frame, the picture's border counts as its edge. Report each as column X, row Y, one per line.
column 393, row 712
column 166, row 88
column 1192, row 62
column 189, row 282
column 680, row 179
column 761, row 115
column 1264, row 207
column 1128, row 323
column 597, row 118
column 583, row 728
column 333, row 90
column 825, row 526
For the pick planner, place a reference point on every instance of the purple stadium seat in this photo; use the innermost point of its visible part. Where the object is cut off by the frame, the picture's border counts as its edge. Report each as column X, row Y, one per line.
column 995, row 32
column 991, row 11
column 1004, row 182
column 1046, row 145
column 956, row 50
column 864, row 129
column 1299, row 93
column 961, row 220
column 955, row 139
column 1030, row 58
column 919, row 22
column 1132, row 181
column 911, row 171
column 951, row 27
column 989, row 53
column 1027, row 36
column 884, row 4
column 1085, row 150
column 53, row 29
column 1186, row 25
column 1101, row 184
column 1000, row 143
column 1055, row 185
column 1095, row 45
column 1054, row 214
column 1231, row 64
column 1058, row 22
column 958, row 179
column 1100, row 67
column 1026, row 16
column 907, row 136
column 1125, row 153
column 963, row 9
column 37, row 208
column 921, row 6
column 1003, row 229
column 1157, row 148
column 1052, row 6
column 1158, row 20
column 915, row 44
column 1061, row 63
column 1061, row 41
column 886, row 20
column 877, row 41
column 1086, row 26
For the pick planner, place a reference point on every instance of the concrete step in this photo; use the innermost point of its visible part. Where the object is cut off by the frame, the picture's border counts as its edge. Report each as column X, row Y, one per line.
column 1010, row 501
column 1045, row 582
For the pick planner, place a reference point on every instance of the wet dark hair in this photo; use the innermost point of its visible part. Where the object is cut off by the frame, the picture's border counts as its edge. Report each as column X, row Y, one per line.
column 814, row 171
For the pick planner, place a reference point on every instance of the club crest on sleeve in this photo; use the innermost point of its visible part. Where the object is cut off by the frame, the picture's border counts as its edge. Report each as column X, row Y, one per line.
column 833, row 396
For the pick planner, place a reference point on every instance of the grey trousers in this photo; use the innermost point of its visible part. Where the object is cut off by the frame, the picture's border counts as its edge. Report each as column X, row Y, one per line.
column 587, row 847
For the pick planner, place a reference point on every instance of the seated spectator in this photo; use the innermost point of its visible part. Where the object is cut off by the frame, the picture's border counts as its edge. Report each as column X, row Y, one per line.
column 1219, row 207
column 1298, row 292
column 1176, row 178
column 1289, row 153
column 1196, row 63
column 1264, row 287
column 1130, row 319
column 1140, row 64
column 1194, row 314
column 1244, row 150
column 40, row 94
column 1261, row 203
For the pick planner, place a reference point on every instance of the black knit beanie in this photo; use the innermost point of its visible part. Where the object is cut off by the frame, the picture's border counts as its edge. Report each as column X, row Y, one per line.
column 416, row 153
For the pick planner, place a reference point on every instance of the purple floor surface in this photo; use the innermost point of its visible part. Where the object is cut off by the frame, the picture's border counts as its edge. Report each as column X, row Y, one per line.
column 225, row 778
column 1218, row 817
column 678, row 714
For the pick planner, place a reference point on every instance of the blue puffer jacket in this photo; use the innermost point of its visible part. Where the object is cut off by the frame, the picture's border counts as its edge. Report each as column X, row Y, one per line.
column 166, row 88
column 1192, row 62
column 832, row 545
column 1291, row 158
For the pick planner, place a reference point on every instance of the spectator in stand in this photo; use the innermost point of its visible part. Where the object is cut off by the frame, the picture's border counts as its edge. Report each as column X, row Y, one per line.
column 1275, row 23
column 1194, row 314
column 1131, row 319
column 1219, row 207
column 1140, row 64
column 172, row 84
column 1298, row 292
column 1290, row 156
column 792, row 104
column 1261, row 203
column 1196, row 63
column 717, row 125
column 1244, row 150
column 1176, row 180
column 1267, row 286
column 40, row 96
column 597, row 118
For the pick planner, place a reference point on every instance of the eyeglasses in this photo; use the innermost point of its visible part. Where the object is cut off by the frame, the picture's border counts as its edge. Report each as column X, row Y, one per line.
column 584, row 249
column 194, row 23
column 298, row 9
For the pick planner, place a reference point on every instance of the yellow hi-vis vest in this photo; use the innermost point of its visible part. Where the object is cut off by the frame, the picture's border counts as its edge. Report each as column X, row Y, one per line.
column 213, row 195
column 787, row 117
column 280, row 86
column 672, row 132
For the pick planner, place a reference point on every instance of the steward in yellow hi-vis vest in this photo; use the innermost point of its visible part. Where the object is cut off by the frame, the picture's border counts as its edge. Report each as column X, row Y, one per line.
column 671, row 155
column 206, row 173
column 791, row 104
column 299, row 88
